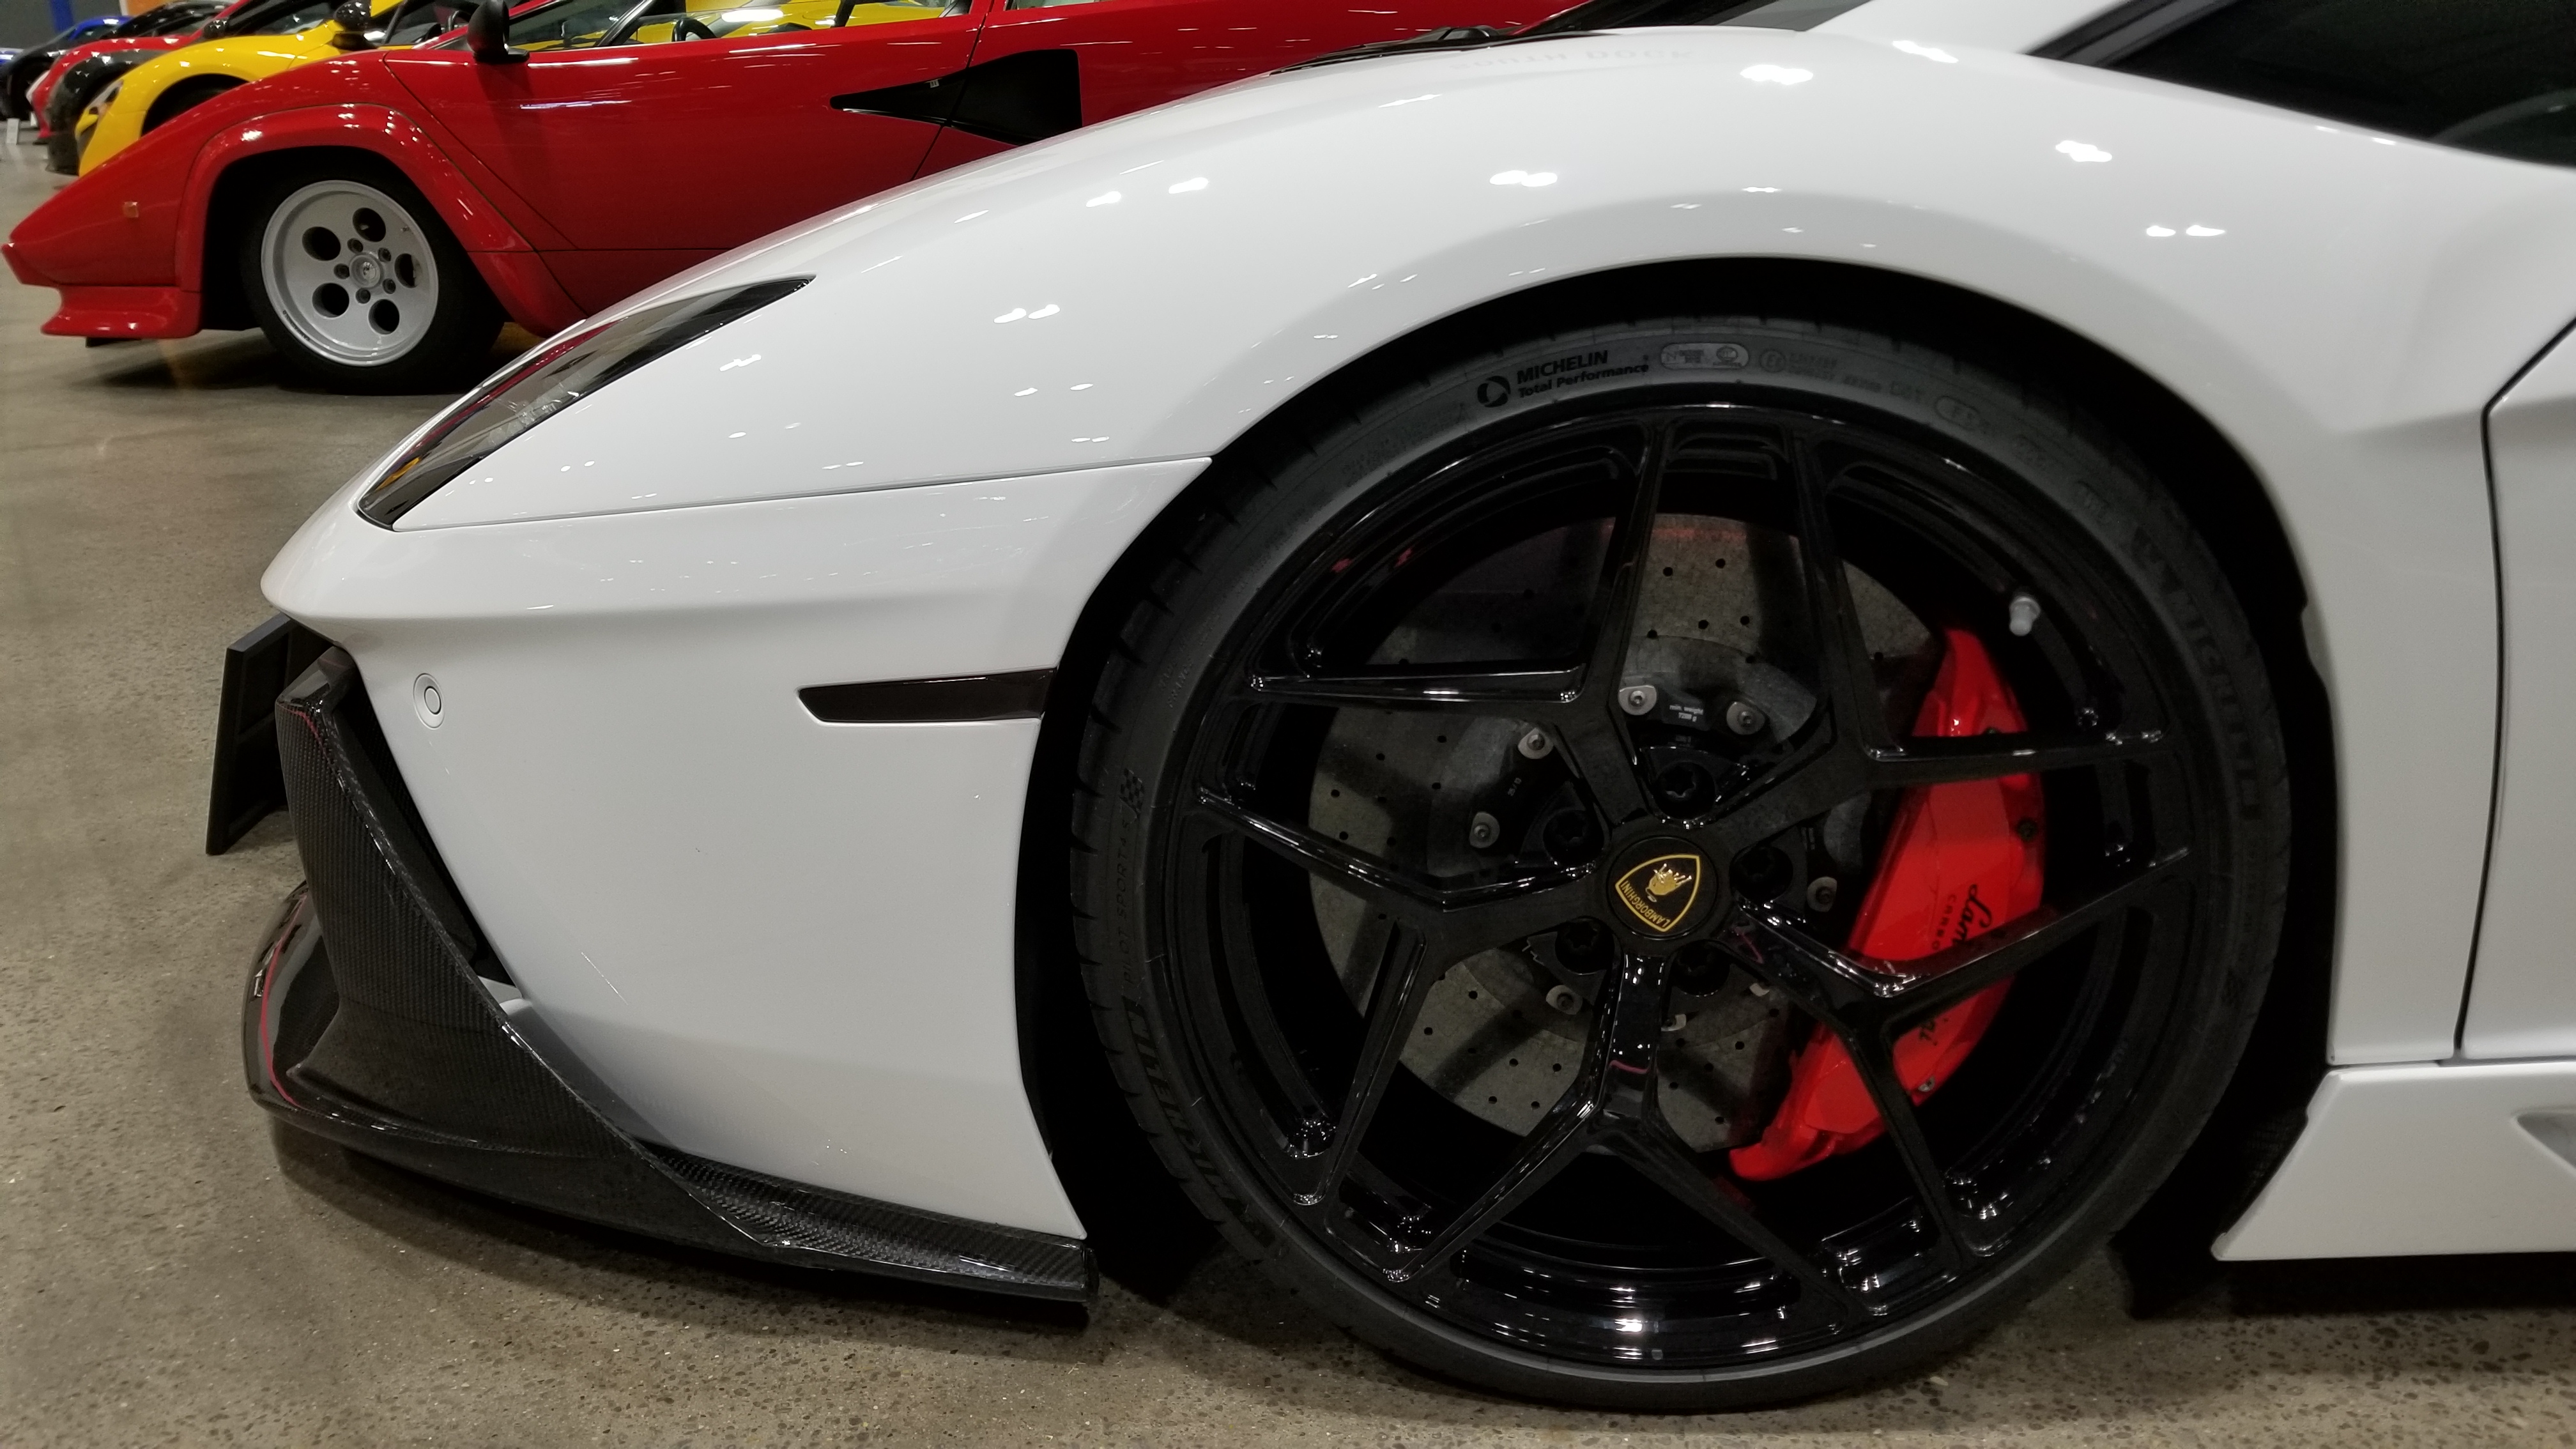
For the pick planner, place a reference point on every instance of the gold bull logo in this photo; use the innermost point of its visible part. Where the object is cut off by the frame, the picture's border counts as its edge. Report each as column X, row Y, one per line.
column 1661, row 891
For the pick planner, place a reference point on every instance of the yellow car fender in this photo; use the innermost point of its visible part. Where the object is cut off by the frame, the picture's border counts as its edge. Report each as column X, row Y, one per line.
column 115, row 118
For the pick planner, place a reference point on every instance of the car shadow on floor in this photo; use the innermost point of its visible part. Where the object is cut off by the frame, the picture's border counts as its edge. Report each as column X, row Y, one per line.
column 1218, row 1315
column 2344, row 1286
column 542, row 1249
column 226, row 361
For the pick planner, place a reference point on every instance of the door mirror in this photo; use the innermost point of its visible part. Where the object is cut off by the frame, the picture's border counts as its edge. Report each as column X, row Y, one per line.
column 355, row 18
column 487, row 33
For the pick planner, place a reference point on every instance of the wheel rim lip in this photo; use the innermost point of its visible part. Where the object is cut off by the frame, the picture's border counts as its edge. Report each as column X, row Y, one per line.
column 1263, row 622
column 290, row 274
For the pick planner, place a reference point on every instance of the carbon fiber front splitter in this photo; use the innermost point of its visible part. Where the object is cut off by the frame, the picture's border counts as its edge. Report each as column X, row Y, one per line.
column 369, row 1021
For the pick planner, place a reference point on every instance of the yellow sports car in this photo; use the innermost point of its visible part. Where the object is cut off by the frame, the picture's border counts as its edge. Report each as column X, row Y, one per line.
column 157, row 90
column 651, row 22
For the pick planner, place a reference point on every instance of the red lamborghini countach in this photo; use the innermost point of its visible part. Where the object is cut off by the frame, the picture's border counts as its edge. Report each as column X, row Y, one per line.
column 380, row 214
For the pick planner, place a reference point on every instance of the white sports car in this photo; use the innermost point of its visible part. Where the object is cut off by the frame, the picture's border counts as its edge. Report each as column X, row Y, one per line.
column 1680, row 684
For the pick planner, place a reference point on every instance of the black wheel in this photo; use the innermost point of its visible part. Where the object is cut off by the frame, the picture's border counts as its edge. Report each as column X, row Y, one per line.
column 359, row 285
column 1540, row 820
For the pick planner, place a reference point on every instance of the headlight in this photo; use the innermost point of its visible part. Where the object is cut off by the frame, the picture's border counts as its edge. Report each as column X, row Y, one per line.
column 547, row 381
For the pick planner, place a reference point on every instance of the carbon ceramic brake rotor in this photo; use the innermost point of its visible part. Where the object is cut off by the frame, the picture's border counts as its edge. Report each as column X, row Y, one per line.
column 1405, row 787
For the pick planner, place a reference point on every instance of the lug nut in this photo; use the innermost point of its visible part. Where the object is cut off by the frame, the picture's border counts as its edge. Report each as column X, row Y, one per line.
column 1570, row 837
column 1564, row 999
column 1821, row 893
column 1744, row 719
column 1687, row 788
column 1698, row 968
column 1536, row 745
column 1484, row 830
column 1762, row 873
column 1638, row 699
column 1583, row 946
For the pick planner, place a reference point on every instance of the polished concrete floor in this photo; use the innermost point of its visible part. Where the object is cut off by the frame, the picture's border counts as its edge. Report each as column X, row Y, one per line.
column 172, row 1272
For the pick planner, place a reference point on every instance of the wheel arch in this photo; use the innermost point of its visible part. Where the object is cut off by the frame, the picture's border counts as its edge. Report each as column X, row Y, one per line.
column 1102, row 1155
column 233, row 164
column 181, row 97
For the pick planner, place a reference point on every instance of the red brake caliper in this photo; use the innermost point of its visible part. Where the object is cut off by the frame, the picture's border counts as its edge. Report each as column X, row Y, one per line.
column 1960, row 860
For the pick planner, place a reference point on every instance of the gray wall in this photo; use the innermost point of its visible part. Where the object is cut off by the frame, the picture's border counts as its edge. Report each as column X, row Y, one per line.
column 25, row 22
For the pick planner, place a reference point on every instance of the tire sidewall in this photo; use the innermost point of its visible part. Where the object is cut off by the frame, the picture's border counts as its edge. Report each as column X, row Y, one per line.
column 1264, row 515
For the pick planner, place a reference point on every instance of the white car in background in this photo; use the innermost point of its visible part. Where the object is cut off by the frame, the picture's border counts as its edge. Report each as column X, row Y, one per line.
column 1678, row 687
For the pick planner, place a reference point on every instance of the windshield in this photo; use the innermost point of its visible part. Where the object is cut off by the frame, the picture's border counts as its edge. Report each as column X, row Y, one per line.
column 588, row 24
column 2484, row 75
column 280, row 17
column 170, row 18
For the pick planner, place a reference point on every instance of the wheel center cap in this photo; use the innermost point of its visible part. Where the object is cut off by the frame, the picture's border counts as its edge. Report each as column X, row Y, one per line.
column 1664, row 887
column 365, row 271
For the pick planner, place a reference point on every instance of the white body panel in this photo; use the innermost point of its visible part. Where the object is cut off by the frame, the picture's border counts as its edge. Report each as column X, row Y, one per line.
column 2523, row 1000
column 2477, row 1158
column 786, row 945
column 2362, row 303
column 672, row 855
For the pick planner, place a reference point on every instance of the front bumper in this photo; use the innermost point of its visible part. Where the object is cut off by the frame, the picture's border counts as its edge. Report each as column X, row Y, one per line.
column 371, row 1019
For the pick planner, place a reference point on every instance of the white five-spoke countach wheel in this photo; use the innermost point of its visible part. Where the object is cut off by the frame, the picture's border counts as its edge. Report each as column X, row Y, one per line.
column 360, row 287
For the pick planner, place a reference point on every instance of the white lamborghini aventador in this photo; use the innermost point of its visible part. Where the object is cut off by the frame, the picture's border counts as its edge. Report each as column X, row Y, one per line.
column 1681, row 686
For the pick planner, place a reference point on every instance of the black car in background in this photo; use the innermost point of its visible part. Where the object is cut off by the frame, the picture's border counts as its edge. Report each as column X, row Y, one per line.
column 21, row 73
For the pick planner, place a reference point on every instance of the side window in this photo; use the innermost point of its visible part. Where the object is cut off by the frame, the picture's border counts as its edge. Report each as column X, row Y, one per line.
column 585, row 24
column 420, row 20
column 2486, row 75
column 573, row 22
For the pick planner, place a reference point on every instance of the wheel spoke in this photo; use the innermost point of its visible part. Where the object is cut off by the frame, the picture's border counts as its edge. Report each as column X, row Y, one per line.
column 1842, row 654
column 1562, row 1135
column 1401, row 980
column 1523, row 693
column 1610, row 1096
column 1937, row 982
column 1458, row 921
column 1654, row 1151
column 1820, row 775
column 1597, row 736
column 1370, row 879
column 1864, row 999
column 1896, row 1113
column 1832, row 986
column 1479, row 918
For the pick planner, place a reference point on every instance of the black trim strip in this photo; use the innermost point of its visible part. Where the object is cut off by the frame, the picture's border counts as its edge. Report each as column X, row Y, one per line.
column 2122, row 29
column 931, row 701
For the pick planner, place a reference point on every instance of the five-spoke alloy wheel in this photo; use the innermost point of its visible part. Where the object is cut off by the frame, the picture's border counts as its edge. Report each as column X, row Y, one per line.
column 1500, row 799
